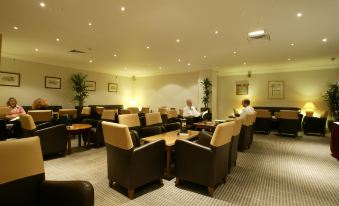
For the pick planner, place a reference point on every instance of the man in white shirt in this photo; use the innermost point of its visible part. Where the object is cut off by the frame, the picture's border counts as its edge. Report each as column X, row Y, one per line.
column 189, row 110
column 247, row 107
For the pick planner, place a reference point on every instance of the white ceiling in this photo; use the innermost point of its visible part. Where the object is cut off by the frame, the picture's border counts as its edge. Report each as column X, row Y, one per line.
column 158, row 23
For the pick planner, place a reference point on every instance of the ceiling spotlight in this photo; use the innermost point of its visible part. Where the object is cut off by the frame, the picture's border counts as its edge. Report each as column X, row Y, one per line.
column 299, row 14
column 256, row 34
column 91, row 61
column 289, row 59
column 122, row 8
column 178, row 40
column 57, row 39
column 216, row 31
column 179, row 60
column 205, row 57
column 324, row 39
column 125, row 68
column 235, row 52
column 244, row 63
column 115, row 55
column 15, row 28
column 160, row 68
column 188, row 64
column 292, row 44
column 89, row 23
column 147, row 47
column 42, row 4
column 36, row 49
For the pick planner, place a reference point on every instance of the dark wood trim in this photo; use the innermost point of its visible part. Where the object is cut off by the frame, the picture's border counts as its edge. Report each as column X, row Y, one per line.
column 19, row 80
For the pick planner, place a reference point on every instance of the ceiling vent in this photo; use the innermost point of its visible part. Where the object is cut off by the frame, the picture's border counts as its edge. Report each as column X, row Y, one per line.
column 260, row 34
column 77, row 51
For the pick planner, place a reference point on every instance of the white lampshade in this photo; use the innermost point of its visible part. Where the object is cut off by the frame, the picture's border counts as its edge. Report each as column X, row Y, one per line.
column 309, row 106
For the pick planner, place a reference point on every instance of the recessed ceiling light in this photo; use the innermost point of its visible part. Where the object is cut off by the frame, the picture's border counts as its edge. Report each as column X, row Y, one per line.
column 256, row 34
column 299, row 14
column 292, row 44
column 15, row 28
column 179, row 60
column 289, row 59
column 244, row 63
column 235, row 52
column 91, row 61
column 160, row 68
column 89, row 23
column 148, row 47
column 188, row 64
column 324, row 39
column 57, row 39
column 125, row 68
column 122, row 8
column 42, row 4
column 204, row 57
column 36, row 49
column 115, row 55
column 178, row 40
column 216, row 32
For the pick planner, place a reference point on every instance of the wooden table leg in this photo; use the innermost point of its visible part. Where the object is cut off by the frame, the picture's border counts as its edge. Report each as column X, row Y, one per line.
column 69, row 137
column 169, row 150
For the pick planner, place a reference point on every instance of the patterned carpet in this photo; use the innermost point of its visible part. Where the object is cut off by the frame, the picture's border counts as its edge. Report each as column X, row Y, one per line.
column 274, row 171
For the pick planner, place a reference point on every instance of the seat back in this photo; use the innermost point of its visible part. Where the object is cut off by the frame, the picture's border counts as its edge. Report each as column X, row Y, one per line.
column 145, row 110
column 41, row 115
column 223, row 134
column 133, row 110
column 237, row 126
column 108, row 114
column 99, row 110
column 263, row 113
column 69, row 112
column 172, row 114
column 4, row 110
column 181, row 112
column 117, row 135
column 153, row 118
column 163, row 110
column 27, row 122
column 22, row 171
column 125, row 111
column 286, row 115
column 86, row 111
column 130, row 120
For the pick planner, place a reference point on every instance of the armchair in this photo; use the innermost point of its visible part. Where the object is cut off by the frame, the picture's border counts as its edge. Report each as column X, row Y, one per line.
column 22, row 178
column 133, row 110
column 212, row 166
column 235, row 142
column 288, row 122
column 315, row 124
column 246, row 132
column 53, row 139
column 130, row 166
column 40, row 116
column 263, row 121
column 71, row 113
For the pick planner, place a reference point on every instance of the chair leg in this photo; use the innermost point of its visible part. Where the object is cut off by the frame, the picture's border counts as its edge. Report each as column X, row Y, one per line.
column 110, row 183
column 235, row 162
column 161, row 182
column 224, row 179
column 177, row 181
column 130, row 194
column 210, row 191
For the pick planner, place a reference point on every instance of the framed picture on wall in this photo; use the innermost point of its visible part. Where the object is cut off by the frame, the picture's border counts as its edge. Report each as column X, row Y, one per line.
column 112, row 87
column 9, row 79
column 90, row 85
column 276, row 90
column 52, row 82
column 241, row 87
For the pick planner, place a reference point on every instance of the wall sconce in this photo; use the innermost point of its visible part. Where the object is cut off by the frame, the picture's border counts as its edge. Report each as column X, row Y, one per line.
column 309, row 109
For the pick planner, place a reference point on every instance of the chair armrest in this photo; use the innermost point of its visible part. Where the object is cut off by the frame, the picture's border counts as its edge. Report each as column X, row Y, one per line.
column 44, row 125
column 150, row 131
column 66, row 193
column 204, row 138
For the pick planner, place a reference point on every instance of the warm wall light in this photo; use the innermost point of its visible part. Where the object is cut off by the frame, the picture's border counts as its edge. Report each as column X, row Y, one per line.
column 309, row 109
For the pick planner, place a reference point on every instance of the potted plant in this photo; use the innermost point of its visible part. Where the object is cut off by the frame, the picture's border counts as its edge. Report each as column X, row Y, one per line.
column 332, row 98
column 206, row 86
column 80, row 88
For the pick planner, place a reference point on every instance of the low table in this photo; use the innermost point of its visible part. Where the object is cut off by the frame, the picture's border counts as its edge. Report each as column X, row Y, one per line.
column 205, row 125
column 78, row 129
column 170, row 138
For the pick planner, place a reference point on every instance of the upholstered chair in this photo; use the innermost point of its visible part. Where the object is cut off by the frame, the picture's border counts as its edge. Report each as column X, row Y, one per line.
column 128, row 165
column 53, row 139
column 133, row 110
column 22, row 178
column 171, row 121
column 71, row 113
column 263, row 121
column 288, row 122
column 41, row 115
column 3, row 130
column 124, row 111
column 246, row 132
column 145, row 110
column 205, row 165
column 235, row 142
column 315, row 125
column 86, row 111
column 99, row 110
column 154, row 119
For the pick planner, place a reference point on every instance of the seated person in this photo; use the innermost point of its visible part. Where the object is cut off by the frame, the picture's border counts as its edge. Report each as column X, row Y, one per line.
column 15, row 109
column 247, row 108
column 189, row 110
column 40, row 104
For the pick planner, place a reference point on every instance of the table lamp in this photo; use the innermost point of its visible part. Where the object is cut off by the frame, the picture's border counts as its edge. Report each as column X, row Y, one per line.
column 309, row 109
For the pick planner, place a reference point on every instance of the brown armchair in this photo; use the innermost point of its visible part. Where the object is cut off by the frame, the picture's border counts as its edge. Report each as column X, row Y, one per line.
column 53, row 139
column 263, row 121
column 288, row 122
column 234, row 143
column 212, row 165
column 72, row 114
column 246, row 133
column 133, row 110
column 315, row 125
column 22, row 178
column 40, row 116
column 130, row 166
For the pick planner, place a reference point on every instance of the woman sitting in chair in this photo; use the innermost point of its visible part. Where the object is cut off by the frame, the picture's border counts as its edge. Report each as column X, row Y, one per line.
column 15, row 109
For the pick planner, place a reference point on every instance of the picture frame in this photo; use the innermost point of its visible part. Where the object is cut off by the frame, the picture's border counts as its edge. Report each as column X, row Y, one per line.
column 241, row 88
column 9, row 79
column 112, row 87
column 90, row 85
column 52, row 82
column 276, row 89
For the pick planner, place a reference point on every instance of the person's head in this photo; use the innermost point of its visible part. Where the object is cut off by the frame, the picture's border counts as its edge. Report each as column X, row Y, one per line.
column 245, row 102
column 11, row 102
column 40, row 103
column 189, row 102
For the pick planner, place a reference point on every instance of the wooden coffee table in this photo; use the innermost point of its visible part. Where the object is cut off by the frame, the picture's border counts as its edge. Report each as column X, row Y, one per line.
column 170, row 138
column 205, row 125
column 79, row 129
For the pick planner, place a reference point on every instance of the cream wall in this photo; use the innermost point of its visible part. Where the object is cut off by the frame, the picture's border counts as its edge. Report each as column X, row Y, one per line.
column 33, row 85
column 300, row 87
column 167, row 90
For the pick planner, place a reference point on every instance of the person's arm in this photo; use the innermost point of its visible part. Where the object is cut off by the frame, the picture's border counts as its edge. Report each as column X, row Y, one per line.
column 186, row 112
column 195, row 112
column 21, row 110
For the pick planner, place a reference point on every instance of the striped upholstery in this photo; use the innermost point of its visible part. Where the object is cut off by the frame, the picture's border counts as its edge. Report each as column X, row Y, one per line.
column 41, row 115
column 153, row 118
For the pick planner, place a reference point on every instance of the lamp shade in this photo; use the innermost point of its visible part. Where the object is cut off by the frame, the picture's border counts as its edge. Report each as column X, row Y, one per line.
column 309, row 106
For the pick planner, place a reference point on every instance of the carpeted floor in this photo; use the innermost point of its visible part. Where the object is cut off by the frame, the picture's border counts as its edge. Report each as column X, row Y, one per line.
column 274, row 171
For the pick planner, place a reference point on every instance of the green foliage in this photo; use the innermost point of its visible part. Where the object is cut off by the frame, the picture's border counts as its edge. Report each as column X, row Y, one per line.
column 206, row 86
column 79, row 87
column 332, row 98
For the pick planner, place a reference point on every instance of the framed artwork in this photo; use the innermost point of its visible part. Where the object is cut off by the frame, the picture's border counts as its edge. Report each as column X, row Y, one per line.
column 112, row 87
column 52, row 82
column 9, row 79
column 241, row 88
column 276, row 90
column 91, row 85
